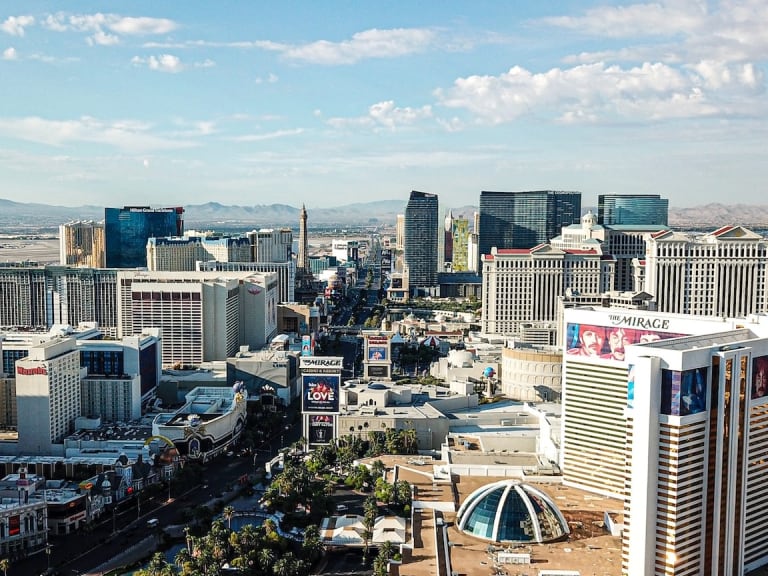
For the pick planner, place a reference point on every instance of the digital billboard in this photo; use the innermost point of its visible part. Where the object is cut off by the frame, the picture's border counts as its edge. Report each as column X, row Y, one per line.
column 377, row 353
column 760, row 377
column 320, row 392
column 608, row 342
column 683, row 392
column 320, row 429
column 378, row 371
column 306, row 345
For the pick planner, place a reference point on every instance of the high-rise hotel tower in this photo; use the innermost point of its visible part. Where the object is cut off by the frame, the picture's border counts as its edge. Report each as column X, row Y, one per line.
column 669, row 413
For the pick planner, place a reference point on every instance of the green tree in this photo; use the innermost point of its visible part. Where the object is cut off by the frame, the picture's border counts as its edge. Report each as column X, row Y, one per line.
column 228, row 513
column 312, row 546
column 4, row 565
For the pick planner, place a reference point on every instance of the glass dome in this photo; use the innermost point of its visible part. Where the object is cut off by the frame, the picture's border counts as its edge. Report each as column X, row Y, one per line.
column 511, row 511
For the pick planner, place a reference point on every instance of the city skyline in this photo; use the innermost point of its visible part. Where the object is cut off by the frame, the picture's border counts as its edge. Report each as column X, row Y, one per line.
column 246, row 103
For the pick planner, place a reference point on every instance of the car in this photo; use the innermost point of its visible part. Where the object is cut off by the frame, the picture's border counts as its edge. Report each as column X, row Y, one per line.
column 153, row 523
column 341, row 508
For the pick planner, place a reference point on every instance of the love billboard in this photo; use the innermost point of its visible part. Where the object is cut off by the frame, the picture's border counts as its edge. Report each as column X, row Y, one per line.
column 320, row 392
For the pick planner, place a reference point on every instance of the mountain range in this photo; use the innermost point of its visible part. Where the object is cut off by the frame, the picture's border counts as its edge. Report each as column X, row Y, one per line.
column 213, row 215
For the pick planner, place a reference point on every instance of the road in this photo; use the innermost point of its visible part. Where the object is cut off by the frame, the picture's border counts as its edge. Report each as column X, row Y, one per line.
column 77, row 553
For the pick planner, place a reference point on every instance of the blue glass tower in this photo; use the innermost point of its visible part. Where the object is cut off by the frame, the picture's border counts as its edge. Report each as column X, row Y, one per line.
column 525, row 219
column 421, row 239
column 126, row 231
column 632, row 209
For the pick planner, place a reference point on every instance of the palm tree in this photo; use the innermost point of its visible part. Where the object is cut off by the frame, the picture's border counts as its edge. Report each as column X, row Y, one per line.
column 228, row 512
column 265, row 558
column 4, row 565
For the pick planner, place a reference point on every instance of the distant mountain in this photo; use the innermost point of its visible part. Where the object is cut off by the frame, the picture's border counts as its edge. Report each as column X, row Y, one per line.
column 15, row 216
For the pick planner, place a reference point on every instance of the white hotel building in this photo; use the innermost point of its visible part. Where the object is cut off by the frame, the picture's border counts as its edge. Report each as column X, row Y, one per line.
column 723, row 273
column 522, row 286
column 48, row 396
column 204, row 316
column 670, row 413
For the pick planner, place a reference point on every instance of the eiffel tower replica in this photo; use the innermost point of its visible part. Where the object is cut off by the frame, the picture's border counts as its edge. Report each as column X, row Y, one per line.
column 307, row 287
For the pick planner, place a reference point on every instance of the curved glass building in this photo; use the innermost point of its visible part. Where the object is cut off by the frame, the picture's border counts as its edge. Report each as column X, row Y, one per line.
column 511, row 511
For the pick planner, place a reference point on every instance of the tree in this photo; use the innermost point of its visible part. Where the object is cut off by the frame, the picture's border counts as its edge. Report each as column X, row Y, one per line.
column 312, row 546
column 228, row 513
column 4, row 565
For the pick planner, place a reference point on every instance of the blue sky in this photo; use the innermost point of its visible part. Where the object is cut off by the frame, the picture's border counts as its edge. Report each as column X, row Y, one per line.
column 327, row 103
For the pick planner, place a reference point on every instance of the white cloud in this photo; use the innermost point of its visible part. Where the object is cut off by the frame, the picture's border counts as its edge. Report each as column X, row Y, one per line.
column 124, row 134
column 101, row 38
column 141, row 26
column 638, row 20
column 162, row 63
column 363, row 45
column 270, row 79
column 10, row 54
column 583, row 93
column 385, row 115
column 268, row 135
column 106, row 29
column 15, row 25
column 207, row 63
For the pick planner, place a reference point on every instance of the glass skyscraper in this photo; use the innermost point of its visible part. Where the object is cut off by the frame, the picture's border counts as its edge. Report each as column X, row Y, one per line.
column 525, row 219
column 421, row 239
column 633, row 209
column 126, row 231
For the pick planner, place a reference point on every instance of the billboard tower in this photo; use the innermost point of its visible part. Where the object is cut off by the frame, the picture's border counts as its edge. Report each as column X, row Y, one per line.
column 320, row 395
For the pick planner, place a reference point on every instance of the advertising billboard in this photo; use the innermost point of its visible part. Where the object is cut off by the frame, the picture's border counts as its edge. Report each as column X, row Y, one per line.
column 760, row 377
column 683, row 392
column 377, row 353
column 320, row 392
column 306, row 345
column 320, row 429
column 378, row 371
column 322, row 363
column 608, row 342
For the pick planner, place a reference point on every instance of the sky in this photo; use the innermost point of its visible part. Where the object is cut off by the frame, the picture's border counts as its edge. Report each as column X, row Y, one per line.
column 334, row 102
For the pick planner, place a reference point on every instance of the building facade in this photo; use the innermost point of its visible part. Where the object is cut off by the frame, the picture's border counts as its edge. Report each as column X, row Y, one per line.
column 421, row 239
column 723, row 273
column 271, row 245
column 47, row 396
column 512, row 276
column 460, row 243
column 82, row 244
column 697, row 454
column 203, row 316
column 127, row 230
column 524, row 219
column 632, row 209
column 182, row 254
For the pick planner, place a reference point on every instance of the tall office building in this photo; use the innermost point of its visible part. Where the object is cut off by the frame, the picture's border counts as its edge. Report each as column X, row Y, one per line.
column 400, row 232
column 723, row 273
column 632, row 209
column 81, row 244
column 271, row 245
column 448, row 242
column 47, row 396
column 127, row 230
column 525, row 219
column 697, row 454
column 460, row 243
column 421, row 239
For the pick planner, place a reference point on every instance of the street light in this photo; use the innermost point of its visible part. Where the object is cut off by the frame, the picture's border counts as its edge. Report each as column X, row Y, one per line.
column 48, row 555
